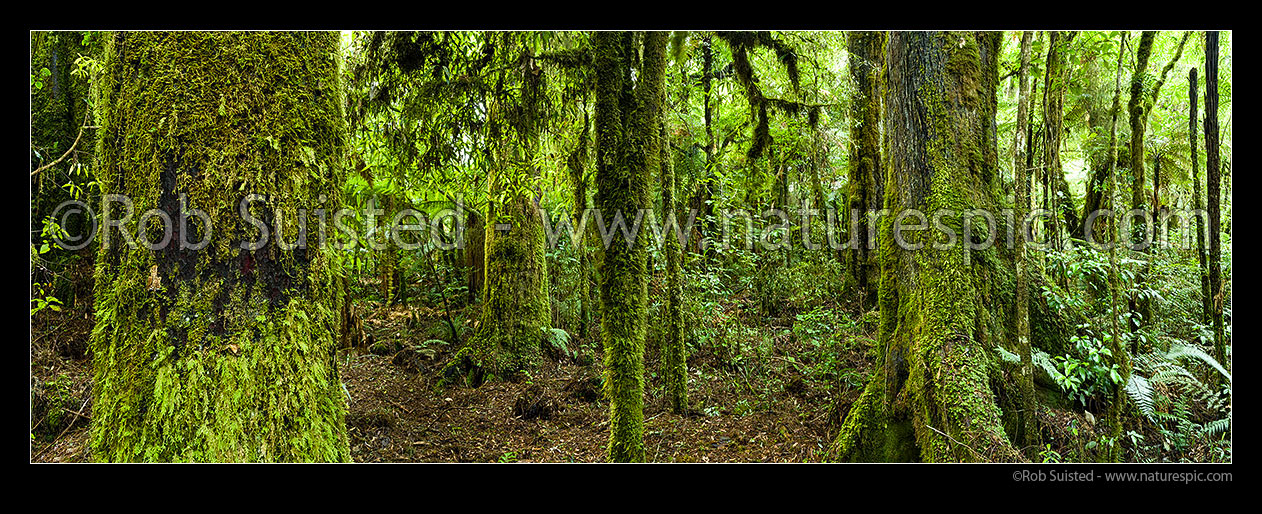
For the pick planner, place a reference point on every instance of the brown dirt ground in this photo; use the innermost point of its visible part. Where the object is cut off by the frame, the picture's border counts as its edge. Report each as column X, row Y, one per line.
column 763, row 411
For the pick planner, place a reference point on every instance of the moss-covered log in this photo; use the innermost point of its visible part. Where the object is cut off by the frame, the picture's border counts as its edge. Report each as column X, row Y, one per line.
column 933, row 396
column 221, row 353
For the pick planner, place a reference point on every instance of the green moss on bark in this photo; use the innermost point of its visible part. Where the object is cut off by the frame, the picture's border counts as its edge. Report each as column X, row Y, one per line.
column 866, row 175
column 222, row 353
column 674, row 353
column 932, row 397
column 627, row 121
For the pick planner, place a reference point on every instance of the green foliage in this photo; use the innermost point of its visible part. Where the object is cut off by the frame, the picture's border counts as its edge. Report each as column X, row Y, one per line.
column 38, row 78
column 42, row 300
column 1049, row 455
column 558, row 342
column 1090, row 372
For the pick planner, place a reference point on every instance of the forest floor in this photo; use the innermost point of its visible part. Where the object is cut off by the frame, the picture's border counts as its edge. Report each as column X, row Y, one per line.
column 558, row 413
column 765, row 410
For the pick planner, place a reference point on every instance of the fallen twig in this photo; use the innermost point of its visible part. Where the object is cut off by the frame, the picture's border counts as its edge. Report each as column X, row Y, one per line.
column 71, row 149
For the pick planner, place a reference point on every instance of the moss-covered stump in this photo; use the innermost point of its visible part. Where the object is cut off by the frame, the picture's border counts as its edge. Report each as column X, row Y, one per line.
column 933, row 396
column 220, row 353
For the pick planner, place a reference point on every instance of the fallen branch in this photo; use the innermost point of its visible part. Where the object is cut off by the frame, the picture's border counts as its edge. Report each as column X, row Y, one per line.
column 71, row 149
column 68, row 427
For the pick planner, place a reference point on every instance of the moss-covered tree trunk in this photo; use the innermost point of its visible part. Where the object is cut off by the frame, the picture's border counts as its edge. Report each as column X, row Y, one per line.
column 1120, row 356
column 627, row 119
column 515, row 308
column 931, row 396
column 675, row 358
column 867, row 177
column 710, row 189
column 1056, row 188
column 1135, row 108
column 577, row 164
column 1027, row 431
column 221, row 353
column 1097, row 183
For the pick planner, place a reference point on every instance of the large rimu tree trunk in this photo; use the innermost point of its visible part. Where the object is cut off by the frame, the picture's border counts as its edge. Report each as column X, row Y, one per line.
column 932, row 396
column 223, row 353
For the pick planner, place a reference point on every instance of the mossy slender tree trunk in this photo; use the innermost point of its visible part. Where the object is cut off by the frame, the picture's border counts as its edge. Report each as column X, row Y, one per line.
column 627, row 119
column 1027, row 431
column 577, row 164
column 866, row 184
column 710, row 190
column 1213, row 172
column 1135, row 108
column 1056, row 188
column 1120, row 355
column 675, row 354
column 930, row 397
column 220, row 353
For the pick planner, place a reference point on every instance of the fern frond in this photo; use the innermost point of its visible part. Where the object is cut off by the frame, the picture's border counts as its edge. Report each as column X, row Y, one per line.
column 1218, row 426
column 1140, row 392
column 1042, row 360
column 1182, row 350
